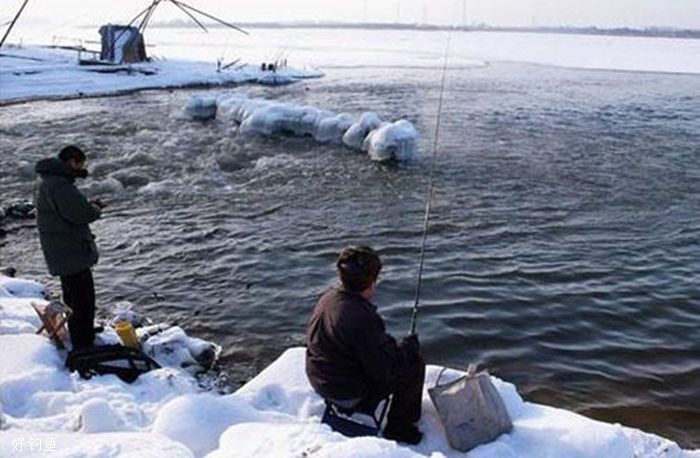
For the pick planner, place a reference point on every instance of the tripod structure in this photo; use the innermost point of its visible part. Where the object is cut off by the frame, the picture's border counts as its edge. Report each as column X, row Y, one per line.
column 191, row 12
column 141, row 20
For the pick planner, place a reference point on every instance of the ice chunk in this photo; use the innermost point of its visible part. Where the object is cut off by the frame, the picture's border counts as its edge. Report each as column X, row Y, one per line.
column 332, row 129
column 132, row 177
column 356, row 134
column 387, row 141
column 392, row 141
column 201, row 107
column 271, row 119
column 140, row 158
column 173, row 348
column 109, row 185
column 159, row 188
column 309, row 119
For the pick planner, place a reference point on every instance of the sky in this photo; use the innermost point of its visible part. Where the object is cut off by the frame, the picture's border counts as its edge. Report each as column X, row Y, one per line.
column 601, row 13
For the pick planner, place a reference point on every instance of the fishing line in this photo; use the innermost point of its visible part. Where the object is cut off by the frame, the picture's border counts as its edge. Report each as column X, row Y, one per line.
column 431, row 180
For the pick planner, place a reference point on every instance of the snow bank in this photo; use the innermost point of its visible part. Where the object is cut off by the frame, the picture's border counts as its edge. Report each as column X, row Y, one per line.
column 382, row 141
column 34, row 73
column 198, row 421
column 167, row 413
column 538, row 430
column 17, row 287
column 58, row 444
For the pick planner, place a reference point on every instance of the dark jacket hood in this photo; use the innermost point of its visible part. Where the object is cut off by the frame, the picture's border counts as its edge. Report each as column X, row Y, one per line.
column 54, row 166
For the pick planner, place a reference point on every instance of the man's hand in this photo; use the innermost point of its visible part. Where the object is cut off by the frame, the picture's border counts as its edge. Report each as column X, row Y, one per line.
column 411, row 344
column 98, row 203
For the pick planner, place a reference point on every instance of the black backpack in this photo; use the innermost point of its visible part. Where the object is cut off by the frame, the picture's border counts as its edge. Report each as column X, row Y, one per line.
column 125, row 362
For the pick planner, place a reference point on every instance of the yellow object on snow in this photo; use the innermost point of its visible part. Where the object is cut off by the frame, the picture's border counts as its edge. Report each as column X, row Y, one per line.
column 127, row 334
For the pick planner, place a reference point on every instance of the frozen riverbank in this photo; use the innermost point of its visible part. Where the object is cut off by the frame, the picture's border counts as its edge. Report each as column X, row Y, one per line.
column 167, row 413
column 36, row 73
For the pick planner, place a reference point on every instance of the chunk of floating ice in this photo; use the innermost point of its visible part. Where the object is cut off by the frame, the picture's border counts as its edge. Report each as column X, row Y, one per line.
column 201, row 107
column 273, row 118
column 392, row 141
column 332, row 129
column 109, row 185
column 384, row 142
column 356, row 134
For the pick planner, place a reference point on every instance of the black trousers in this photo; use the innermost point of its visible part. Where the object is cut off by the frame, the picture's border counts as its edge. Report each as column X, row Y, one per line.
column 79, row 295
column 407, row 388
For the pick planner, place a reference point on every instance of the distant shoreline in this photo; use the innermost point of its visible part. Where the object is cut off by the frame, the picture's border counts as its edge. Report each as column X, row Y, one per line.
column 652, row 32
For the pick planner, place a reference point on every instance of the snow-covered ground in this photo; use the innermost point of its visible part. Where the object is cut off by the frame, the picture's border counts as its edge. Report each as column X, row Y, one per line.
column 167, row 413
column 31, row 73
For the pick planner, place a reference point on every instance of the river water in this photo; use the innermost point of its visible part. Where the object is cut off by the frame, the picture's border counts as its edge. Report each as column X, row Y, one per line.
column 563, row 252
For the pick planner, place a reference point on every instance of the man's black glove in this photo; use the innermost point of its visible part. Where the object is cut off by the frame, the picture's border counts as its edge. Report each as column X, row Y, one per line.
column 411, row 344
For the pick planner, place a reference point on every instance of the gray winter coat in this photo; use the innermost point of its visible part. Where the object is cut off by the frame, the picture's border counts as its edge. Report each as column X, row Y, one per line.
column 63, row 217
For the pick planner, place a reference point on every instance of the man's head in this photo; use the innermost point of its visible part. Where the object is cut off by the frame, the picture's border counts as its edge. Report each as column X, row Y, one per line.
column 358, row 269
column 75, row 159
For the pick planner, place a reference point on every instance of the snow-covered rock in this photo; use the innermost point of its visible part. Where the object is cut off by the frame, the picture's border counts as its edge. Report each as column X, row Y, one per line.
column 332, row 129
column 355, row 136
column 201, row 107
column 392, row 141
column 383, row 141
column 172, row 347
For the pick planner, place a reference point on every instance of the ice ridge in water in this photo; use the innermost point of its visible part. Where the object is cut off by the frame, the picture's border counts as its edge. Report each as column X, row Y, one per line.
column 382, row 141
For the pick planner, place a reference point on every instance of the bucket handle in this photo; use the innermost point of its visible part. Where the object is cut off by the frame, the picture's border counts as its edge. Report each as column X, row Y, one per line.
column 471, row 371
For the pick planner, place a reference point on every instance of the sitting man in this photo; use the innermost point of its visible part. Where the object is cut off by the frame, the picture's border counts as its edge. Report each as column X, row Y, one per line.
column 352, row 361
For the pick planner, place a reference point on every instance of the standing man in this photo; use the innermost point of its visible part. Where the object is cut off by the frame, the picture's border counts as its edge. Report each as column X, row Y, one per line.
column 352, row 361
column 63, row 218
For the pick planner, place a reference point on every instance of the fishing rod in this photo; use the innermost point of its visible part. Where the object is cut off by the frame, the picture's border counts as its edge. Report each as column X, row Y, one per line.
column 431, row 181
column 12, row 23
